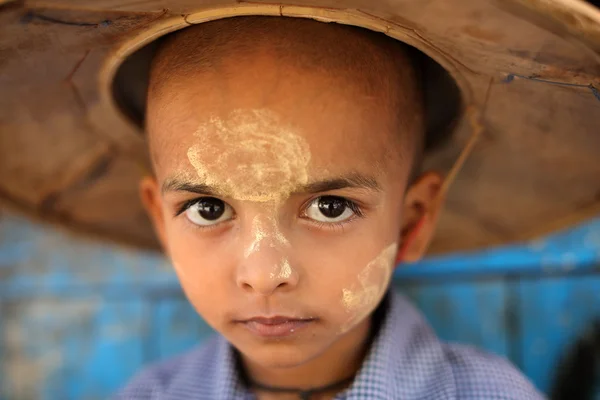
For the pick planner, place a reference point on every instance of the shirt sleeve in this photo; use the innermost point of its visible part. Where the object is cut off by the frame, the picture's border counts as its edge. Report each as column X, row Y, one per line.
column 481, row 375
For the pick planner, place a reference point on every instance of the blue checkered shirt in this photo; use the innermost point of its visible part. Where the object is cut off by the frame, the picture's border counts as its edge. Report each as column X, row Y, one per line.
column 406, row 361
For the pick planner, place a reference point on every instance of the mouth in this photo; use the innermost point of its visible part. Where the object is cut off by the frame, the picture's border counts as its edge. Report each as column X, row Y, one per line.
column 274, row 327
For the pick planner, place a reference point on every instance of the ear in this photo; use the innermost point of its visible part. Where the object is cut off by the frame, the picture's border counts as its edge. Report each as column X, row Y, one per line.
column 422, row 204
column 150, row 196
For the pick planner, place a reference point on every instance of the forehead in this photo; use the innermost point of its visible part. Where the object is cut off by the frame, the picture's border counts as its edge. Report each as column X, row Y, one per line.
column 343, row 126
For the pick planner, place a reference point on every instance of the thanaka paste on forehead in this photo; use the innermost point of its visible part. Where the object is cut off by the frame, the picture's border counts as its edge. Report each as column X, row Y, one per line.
column 360, row 299
column 250, row 156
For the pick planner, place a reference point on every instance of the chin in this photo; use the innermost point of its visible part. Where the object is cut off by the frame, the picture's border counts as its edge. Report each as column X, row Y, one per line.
column 280, row 354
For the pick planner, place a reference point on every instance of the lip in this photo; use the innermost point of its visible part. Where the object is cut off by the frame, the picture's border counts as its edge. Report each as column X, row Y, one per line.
column 274, row 327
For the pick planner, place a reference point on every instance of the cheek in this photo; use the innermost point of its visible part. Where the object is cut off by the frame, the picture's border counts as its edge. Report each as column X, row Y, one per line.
column 363, row 295
column 349, row 277
column 202, row 270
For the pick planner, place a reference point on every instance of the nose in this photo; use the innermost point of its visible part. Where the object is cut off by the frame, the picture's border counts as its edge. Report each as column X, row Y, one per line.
column 266, row 268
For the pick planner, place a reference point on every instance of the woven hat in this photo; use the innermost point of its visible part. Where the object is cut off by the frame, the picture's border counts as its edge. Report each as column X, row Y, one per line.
column 515, row 82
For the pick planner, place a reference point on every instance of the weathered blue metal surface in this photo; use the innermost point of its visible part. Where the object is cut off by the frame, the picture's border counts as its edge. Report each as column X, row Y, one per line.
column 75, row 349
column 77, row 319
column 571, row 251
column 466, row 312
column 553, row 312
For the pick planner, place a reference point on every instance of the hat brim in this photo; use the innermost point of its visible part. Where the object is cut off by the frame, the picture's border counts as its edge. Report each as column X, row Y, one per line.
column 530, row 70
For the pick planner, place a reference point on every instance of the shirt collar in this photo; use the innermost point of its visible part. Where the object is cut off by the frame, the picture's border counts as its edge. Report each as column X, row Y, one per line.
column 228, row 384
column 405, row 360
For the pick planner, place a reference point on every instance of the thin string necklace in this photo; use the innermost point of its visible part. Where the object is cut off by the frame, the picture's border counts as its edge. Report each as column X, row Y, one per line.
column 303, row 394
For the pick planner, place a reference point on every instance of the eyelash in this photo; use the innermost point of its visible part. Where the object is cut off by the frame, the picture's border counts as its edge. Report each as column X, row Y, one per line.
column 356, row 209
column 187, row 205
column 352, row 205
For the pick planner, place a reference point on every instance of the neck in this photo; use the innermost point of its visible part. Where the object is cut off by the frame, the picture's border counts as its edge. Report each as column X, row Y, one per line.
column 339, row 362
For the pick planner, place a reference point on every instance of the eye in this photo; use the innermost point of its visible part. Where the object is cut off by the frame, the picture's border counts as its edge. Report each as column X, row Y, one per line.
column 331, row 209
column 208, row 211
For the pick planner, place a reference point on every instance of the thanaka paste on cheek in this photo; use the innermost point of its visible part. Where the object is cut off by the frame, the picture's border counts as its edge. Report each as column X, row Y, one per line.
column 251, row 156
column 361, row 298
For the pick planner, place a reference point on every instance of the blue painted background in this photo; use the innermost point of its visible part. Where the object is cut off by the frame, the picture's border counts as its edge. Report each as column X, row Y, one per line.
column 78, row 319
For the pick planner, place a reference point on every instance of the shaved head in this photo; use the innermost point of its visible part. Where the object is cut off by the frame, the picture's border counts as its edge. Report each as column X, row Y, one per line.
column 284, row 154
column 360, row 62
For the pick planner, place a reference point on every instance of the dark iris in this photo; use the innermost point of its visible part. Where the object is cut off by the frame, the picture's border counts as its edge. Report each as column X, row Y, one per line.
column 210, row 208
column 332, row 207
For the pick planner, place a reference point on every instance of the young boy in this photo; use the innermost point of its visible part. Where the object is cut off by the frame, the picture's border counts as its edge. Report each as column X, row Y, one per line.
column 286, row 156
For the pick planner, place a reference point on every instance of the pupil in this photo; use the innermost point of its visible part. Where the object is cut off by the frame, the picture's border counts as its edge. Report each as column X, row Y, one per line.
column 211, row 209
column 332, row 207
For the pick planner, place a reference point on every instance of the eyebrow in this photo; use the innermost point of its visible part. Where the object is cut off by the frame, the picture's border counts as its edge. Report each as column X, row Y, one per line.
column 176, row 185
column 352, row 181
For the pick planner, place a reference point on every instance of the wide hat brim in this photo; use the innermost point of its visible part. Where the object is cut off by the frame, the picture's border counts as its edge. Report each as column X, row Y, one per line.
column 528, row 73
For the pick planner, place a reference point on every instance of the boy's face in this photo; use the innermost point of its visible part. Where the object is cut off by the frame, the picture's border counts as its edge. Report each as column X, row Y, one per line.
column 279, row 196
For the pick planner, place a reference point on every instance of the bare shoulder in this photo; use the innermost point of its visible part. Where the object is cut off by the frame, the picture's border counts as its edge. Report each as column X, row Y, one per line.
column 482, row 375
